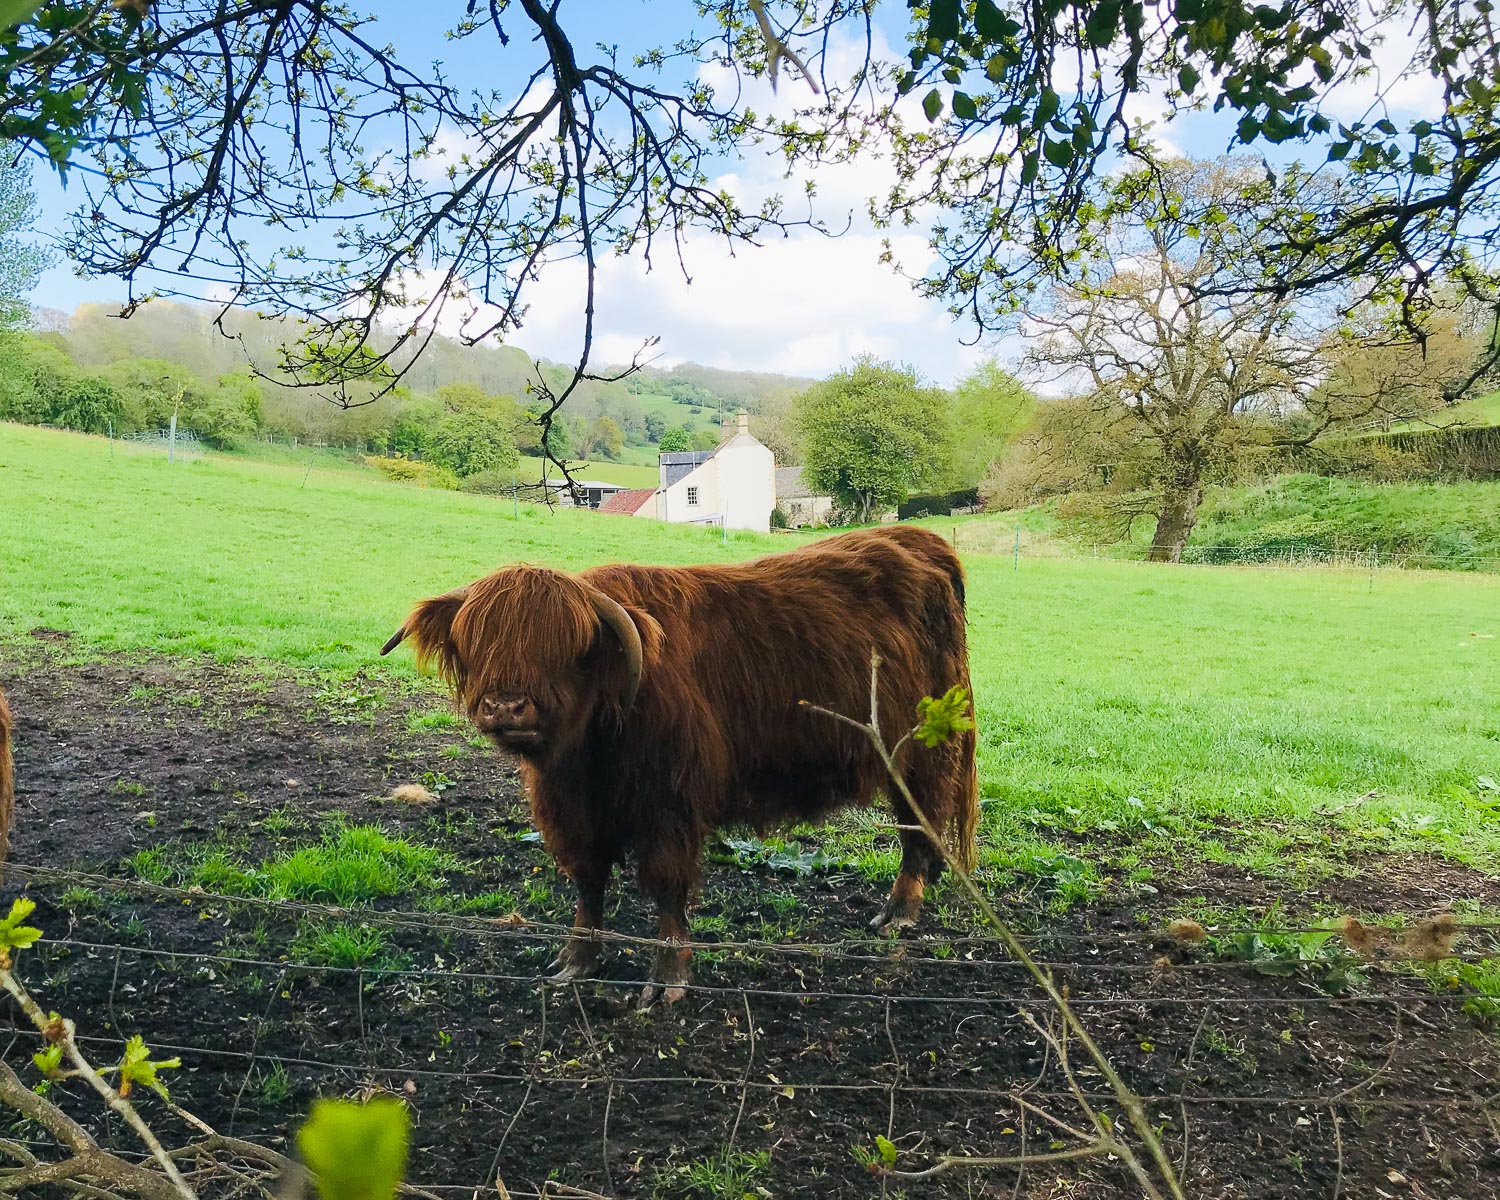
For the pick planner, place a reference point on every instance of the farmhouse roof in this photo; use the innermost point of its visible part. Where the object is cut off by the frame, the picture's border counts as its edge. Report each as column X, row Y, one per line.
column 678, row 466
column 628, row 502
column 789, row 484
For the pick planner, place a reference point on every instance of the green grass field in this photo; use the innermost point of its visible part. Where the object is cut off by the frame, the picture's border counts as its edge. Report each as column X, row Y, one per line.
column 1130, row 714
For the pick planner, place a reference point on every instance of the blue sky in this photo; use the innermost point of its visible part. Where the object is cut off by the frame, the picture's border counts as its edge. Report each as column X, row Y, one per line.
column 803, row 305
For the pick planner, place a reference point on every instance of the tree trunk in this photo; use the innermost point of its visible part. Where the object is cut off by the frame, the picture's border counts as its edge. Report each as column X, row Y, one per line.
column 1179, row 513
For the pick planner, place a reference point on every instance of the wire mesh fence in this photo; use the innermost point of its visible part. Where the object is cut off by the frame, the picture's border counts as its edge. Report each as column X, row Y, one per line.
column 853, row 1065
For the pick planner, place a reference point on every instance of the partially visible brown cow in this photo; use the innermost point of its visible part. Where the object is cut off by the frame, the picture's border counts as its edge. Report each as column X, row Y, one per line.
column 651, row 705
column 7, row 784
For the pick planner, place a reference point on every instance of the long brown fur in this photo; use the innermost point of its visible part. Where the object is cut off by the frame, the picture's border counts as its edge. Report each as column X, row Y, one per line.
column 715, row 735
column 7, row 780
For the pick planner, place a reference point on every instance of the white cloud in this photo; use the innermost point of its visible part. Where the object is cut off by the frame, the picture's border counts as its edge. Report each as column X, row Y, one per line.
column 802, row 304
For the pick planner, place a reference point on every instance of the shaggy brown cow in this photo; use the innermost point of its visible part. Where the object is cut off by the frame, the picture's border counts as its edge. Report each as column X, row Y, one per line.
column 650, row 706
column 7, row 786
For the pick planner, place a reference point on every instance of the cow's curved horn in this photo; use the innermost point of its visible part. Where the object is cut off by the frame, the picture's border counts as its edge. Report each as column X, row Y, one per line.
column 400, row 635
column 613, row 614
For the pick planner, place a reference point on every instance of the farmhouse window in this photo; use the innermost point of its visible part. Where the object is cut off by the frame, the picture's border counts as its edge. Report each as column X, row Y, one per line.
column 692, row 497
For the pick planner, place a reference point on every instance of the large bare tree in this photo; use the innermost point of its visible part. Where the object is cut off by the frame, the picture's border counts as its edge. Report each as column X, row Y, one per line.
column 1159, row 335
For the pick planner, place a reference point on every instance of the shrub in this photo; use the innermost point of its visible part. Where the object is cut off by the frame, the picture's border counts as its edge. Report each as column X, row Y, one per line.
column 778, row 518
column 407, row 470
column 489, row 483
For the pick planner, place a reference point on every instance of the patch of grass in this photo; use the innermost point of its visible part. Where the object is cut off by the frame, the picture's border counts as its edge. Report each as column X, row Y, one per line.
column 1230, row 1047
column 273, row 1086
column 500, row 901
column 1482, row 978
column 151, row 864
column 281, row 818
column 81, row 900
column 348, row 865
column 356, row 864
column 343, row 944
column 431, row 720
column 728, row 1175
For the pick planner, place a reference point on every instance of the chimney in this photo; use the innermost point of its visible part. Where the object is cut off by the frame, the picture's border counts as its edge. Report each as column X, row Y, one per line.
column 744, row 421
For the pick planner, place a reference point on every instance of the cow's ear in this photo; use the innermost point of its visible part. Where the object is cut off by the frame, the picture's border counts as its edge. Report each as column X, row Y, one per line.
column 430, row 630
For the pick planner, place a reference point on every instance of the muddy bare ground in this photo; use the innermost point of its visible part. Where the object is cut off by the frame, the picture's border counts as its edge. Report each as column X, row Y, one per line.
column 1264, row 1085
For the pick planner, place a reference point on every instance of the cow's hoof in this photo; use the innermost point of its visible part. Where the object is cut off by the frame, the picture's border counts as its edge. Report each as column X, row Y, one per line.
column 893, row 918
column 578, row 960
column 655, row 994
column 570, row 972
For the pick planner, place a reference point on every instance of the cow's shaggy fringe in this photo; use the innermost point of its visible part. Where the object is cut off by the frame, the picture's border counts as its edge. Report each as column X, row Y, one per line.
column 714, row 736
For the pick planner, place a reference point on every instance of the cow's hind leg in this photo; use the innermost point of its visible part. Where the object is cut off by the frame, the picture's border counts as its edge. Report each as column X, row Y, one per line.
column 584, row 948
column 669, row 879
column 921, row 864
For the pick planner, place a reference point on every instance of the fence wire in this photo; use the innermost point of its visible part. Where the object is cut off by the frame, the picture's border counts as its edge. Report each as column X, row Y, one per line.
column 568, row 1041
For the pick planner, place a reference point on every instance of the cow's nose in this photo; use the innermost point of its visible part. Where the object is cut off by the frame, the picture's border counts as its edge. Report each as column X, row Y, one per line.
column 505, row 711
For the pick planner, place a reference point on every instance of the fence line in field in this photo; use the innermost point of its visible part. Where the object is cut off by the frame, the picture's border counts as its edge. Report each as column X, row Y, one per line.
column 517, row 928
column 558, row 1047
column 809, row 994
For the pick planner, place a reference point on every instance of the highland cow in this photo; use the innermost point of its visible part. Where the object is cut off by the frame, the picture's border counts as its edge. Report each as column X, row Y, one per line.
column 651, row 706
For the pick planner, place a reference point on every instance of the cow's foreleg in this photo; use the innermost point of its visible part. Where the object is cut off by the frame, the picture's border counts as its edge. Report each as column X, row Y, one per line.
column 668, row 881
column 584, row 948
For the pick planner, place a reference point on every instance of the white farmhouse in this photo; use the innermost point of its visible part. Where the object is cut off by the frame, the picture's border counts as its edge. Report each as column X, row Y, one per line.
column 733, row 484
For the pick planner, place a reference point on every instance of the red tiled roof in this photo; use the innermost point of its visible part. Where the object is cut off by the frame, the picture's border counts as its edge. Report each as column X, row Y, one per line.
column 628, row 502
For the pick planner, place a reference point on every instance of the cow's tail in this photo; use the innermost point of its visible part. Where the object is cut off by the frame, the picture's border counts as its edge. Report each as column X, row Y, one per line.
column 7, row 780
column 963, row 827
column 963, row 824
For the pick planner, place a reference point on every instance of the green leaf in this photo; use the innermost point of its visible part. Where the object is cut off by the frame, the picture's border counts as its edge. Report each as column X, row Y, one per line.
column 932, row 104
column 356, row 1151
column 942, row 24
column 1102, row 23
column 16, row 12
column 1030, row 165
column 990, row 23
column 964, row 107
column 1339, row 151
column 1188, row 77
column 137, row 1067
column 14, row 935
column 887, row 1149
column 1249, row 129
column 939, row 720
column 1046, row 107
column 49, row 1060
column 1059, row 154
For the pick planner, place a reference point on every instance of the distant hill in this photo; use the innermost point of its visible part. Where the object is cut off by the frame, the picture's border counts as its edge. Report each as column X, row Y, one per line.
column 688, row 395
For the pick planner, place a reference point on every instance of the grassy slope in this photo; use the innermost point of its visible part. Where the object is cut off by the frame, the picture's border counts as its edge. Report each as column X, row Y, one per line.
column 1423, row 524
column 1221, row 709
column 1481, row 410
column 1455, row 524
